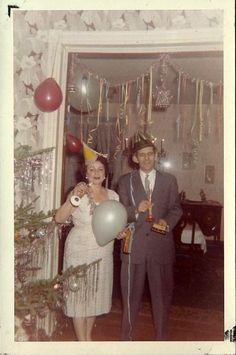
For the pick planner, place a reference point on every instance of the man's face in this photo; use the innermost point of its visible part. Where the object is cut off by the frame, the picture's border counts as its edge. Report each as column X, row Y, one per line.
column 146, row 159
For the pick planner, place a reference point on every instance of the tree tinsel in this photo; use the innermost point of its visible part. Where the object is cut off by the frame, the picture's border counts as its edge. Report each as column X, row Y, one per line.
column 38, row 297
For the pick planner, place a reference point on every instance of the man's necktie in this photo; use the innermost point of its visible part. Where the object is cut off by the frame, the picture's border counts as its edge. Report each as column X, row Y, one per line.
column 147, row 185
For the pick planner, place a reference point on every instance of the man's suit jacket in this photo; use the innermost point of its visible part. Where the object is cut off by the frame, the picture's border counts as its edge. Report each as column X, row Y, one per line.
column 166, row 205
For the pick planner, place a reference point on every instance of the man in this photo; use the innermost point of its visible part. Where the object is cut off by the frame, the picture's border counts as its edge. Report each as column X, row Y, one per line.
column 155, row 212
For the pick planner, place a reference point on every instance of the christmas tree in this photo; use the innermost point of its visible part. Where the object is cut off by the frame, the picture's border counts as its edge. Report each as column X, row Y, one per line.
column 36, row 297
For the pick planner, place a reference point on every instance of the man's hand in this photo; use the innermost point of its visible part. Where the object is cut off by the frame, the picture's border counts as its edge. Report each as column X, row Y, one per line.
column 144, row 206
column 162, row 222
column 122, row 234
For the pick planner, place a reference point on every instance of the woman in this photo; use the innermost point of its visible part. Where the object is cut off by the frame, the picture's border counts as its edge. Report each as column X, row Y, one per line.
column 81, row 248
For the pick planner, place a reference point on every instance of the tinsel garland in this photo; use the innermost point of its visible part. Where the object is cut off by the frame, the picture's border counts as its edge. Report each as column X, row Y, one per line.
column 32, row 170
column 38, row 297
column 31, row 248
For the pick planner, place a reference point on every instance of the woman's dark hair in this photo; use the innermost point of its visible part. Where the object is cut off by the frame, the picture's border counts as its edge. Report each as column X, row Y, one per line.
column 81, row 172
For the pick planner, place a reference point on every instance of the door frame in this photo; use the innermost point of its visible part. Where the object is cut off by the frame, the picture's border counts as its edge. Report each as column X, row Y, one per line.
column 61, row 43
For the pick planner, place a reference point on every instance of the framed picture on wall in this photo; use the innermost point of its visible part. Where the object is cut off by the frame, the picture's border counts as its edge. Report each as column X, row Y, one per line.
column 209, row 174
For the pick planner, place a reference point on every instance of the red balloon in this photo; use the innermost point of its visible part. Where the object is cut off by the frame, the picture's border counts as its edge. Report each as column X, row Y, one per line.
column 48, row 95
column 73, row 144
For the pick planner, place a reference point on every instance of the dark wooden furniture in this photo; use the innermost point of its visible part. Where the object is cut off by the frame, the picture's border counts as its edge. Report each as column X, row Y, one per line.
column 207, row 214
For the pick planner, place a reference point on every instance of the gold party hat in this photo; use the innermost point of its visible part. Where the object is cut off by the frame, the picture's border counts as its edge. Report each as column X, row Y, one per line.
column 141, row 140
column 91, row 155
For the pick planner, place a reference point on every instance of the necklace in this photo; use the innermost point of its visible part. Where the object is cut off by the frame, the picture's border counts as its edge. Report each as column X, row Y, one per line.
column 91, row 201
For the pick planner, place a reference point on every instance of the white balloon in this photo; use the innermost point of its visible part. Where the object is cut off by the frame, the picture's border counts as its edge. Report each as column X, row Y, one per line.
column 84, row 101
column 109, row 218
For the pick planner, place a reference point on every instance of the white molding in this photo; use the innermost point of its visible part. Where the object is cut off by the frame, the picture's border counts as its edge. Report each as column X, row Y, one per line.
column 145, row 41
column 63, row 42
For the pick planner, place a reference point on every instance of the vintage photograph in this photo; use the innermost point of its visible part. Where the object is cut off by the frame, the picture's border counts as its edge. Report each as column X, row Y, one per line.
column 119, row 230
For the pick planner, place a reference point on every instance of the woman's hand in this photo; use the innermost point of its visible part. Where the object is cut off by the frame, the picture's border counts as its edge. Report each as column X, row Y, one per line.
column 80, row 189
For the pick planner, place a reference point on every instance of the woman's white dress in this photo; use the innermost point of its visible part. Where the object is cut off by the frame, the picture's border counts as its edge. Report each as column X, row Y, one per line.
column 91, row 293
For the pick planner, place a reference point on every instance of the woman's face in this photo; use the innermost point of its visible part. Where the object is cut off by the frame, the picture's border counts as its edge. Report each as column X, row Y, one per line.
column 95, row 173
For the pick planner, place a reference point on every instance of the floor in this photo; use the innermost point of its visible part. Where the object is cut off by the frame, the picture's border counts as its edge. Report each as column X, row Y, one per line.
column 197, row 312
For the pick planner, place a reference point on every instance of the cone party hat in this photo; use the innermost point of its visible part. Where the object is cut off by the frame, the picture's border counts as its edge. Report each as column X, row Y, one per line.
column 90, row 155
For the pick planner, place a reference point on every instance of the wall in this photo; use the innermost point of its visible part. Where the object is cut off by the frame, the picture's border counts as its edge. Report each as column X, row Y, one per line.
column 31, row 30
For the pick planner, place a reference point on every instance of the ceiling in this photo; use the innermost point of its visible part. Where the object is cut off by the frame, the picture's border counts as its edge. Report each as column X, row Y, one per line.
column 118, row 68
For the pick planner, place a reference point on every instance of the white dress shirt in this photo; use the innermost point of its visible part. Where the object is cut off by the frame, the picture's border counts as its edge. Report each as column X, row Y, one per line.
column 151, row 178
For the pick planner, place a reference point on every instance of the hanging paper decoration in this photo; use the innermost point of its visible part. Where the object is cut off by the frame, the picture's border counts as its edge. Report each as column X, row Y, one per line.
column 201, row 89
column 178, row 118
column 138, row 97
column 149, row 118
column 100, row 101
column 209, row 111
column 195, row 108
column 184, row 114
column 162, row 96
column 142, row 108
column 163, row 62
column 48, row 95
column 219, row 114
column 79, row 97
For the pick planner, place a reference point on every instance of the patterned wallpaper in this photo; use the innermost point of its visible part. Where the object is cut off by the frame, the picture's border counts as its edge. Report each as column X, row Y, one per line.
column 31, row 30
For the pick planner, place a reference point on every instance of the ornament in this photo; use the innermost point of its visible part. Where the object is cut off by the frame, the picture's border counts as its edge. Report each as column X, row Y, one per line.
column 73, row 144
column 73, row 284
column 28, row 320
column 32, row 234
column 40, row 232
column 109, row 218
column 48, row 95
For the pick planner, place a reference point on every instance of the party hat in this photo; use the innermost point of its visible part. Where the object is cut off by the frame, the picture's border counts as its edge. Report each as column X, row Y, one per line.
column 90, row 155
column 140, row 141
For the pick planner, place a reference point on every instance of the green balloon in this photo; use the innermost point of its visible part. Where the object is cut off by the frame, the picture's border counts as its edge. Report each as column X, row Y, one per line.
column 109, row 218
